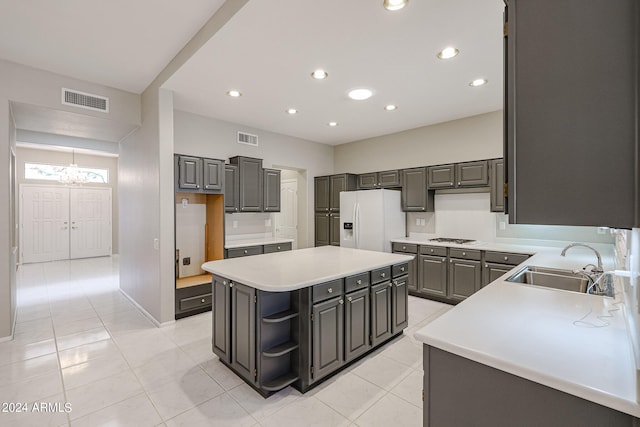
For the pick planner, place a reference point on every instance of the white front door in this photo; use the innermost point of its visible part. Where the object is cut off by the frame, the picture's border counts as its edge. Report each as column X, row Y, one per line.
column 90, row 222
column 45, row 223
column 287, row 218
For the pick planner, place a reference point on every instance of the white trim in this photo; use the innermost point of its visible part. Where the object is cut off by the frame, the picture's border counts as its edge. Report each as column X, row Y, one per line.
column 146, row 313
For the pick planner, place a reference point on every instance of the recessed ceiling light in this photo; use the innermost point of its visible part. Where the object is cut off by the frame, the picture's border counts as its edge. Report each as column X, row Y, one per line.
column 319, row 74
column 394, row 5
column 448, row 52
column 360, row 94
column 391, row 107
column 292, row 111
column 333, row 124
column 234, row 93
column 478, row 82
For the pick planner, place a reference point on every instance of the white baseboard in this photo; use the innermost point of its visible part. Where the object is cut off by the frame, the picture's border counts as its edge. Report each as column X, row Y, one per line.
column 146, row 313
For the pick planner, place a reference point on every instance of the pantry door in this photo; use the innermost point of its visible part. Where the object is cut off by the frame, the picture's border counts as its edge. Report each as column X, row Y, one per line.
column 90, row 215
column 45, row 223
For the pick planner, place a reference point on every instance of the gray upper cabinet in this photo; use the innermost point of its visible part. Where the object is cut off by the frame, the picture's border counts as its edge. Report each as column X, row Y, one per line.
column 415, row 197
column 250, row 179
column 271, row 196
column 231, row 189
column 496, row 184
column 442, row 176
column 189, row 173
column 322, row 189
column 571, row 114
column 213, row 174
column 342, row 182
column 198, row 175
column 472, row 174
column 383, row 179
column 457, row 175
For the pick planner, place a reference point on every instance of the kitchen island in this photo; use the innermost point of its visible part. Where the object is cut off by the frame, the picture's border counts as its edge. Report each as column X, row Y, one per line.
column 298, row 317
column 515, row 354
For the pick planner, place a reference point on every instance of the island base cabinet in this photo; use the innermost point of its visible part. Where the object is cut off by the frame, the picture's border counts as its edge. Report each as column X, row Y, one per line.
column 356, row 310
column 400, row 301
column 328, row 337
column 243, row 331
column 221, row 340
column 381, row 312
column 462, row 392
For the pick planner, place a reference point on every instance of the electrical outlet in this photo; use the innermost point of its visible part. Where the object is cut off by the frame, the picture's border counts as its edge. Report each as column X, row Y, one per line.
column 423, row 221
column 186, row 261
column 417, row 221
column 234, row 224
column 503, row 225
column 267, row 222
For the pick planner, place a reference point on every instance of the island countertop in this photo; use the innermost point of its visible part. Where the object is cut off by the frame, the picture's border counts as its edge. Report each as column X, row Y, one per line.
column 291, row 270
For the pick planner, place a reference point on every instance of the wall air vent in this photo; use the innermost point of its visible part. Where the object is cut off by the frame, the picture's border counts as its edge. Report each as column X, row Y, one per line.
column 85, row 100
column 247, row 138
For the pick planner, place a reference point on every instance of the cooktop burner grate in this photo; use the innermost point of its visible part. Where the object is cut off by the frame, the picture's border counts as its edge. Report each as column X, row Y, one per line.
column 451, row 240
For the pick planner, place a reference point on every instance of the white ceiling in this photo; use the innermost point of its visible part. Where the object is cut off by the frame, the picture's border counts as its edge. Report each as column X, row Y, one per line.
column 268, row 50
column 119, row 43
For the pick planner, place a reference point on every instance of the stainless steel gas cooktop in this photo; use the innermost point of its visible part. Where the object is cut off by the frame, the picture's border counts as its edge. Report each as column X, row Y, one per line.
column 451, row 240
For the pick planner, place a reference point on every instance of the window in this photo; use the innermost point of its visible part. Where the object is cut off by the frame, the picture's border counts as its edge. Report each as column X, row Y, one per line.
column 42, row 171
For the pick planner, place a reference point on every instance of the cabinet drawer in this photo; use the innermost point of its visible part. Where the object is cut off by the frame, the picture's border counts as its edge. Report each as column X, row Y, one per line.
column 357, row 281
column 277, row 247
column 464, row 253
column 380, row 275
column 400, row 269
column 327, row 290
column 433, row 250
column 195, row 302
column 239, row 252
column 505, row 257
column 405, row 247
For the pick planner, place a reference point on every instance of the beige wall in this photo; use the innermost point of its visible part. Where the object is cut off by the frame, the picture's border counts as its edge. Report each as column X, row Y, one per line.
column 471, row 138
column 83, row 160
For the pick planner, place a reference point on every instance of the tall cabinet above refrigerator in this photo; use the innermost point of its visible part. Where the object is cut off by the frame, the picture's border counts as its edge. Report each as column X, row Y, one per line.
column 369, row 219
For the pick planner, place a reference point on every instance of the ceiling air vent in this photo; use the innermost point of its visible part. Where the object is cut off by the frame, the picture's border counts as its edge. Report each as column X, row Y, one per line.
column 247, row 138
column 85, row 100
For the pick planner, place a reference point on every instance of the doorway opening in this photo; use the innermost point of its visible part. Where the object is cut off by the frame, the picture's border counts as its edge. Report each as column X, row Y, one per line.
column 291, row 222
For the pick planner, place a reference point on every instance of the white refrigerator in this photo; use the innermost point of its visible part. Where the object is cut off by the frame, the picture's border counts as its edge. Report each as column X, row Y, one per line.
column 369, row 219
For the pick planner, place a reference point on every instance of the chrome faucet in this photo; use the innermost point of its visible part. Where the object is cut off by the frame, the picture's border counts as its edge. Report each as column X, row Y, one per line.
column 600, row 268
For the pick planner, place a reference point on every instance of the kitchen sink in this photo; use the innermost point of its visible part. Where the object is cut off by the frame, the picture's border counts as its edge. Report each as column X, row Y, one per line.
column 567, row 280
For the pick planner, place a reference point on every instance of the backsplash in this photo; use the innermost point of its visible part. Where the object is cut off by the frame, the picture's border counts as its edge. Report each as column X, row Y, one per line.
column 467, row 215
column 250, row 224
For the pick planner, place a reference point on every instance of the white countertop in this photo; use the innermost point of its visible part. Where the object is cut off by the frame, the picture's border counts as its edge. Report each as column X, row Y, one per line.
column 291, row 270
column 243, row 243
column 548, row 336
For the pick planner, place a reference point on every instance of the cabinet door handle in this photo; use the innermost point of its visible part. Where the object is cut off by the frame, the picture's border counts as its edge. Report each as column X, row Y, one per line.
column 278, row 247
column 458, row 182
column 202, row 300
column 451, row 183
column 403, row 248
column 383, row 274
column 246, row 251
column 431, row 250
column 444, row 260
column 359, row 282
column 464, row 254
column 401, row 268
column 506, row 258
column 224, row 282
column 341, row 301
column 231, row 284
column 349, row 299
column 390, row 284
column 486, row 266
column 450, row 260
column 330, row 290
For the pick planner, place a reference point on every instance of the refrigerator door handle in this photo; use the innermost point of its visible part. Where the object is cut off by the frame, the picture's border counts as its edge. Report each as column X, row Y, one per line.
column 357, row 225
column 353, row 230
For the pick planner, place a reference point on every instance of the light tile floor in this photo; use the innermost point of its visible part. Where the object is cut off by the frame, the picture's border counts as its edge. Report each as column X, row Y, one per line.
column 79, row 341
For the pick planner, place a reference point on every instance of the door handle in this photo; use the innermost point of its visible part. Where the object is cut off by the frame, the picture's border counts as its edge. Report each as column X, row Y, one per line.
column 73, row 228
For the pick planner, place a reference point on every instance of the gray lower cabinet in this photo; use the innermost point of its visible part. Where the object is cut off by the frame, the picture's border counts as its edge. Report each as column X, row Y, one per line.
column 415, row 197
column 432, row 271
column 250, row 182
column 231, row 189
column 322, row 229
column 277, row 247
column 243, row 331
column 464, row 278
column 462, row 392
column 271, row 195
column 221, row 341
column 328, row 336
column 381, row 312
column 498, row 263
column 192, row 300
column 400, row 303
column 409, row 249
column 496, row 184
column 356, row 312
column 492, row 271
column 244, row 251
